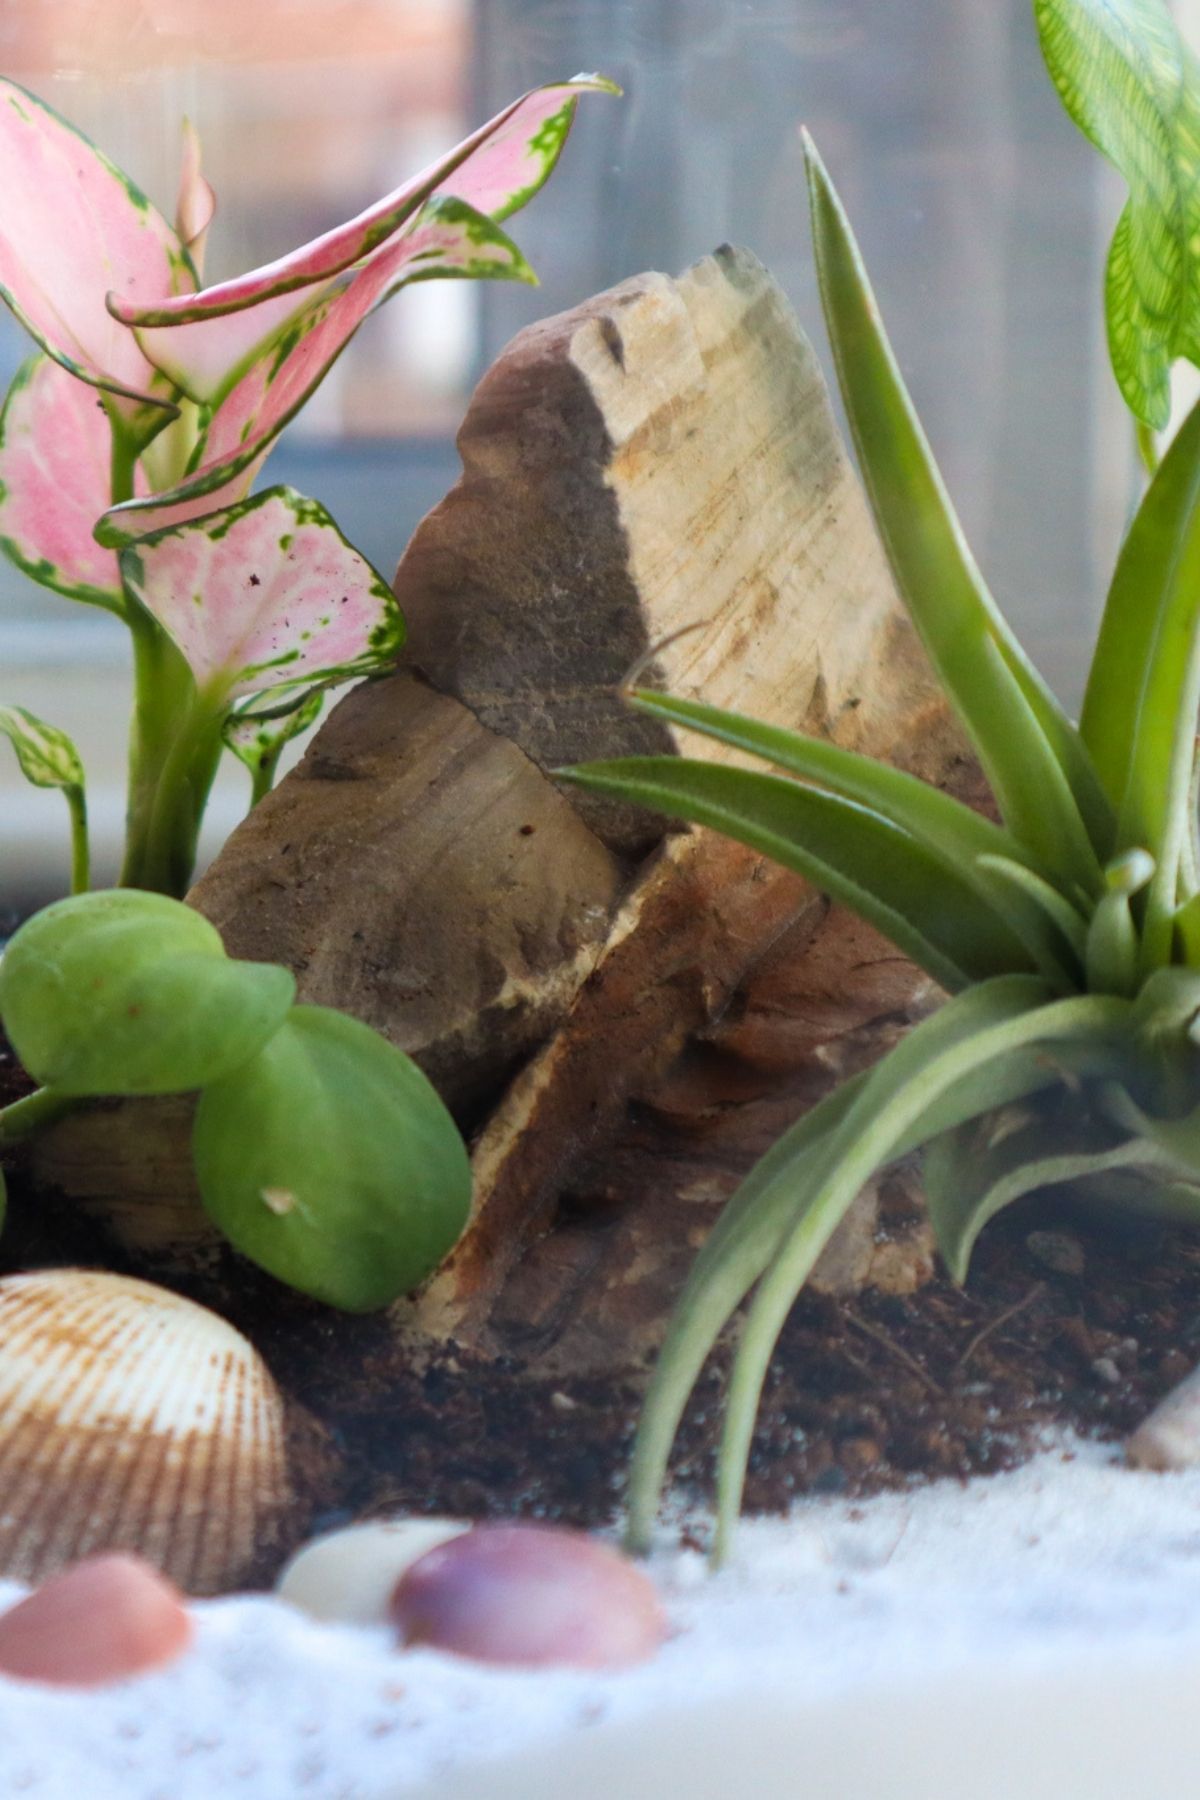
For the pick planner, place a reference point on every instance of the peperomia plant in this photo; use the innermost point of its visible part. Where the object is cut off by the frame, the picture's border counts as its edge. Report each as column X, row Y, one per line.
column 128, row 447
column 1068, row 934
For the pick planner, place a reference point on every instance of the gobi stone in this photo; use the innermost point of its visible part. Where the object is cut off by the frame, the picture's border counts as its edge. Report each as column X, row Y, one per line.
column 350, row 1576
column 104, row 1620
column 530, row 1595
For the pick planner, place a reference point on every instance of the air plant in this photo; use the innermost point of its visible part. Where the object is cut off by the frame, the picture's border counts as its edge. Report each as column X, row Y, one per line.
column 1067, row 934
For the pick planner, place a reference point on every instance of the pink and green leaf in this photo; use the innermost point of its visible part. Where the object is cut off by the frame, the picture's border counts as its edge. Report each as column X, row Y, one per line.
column 196, row 205
column 198, row 339
column 448, row 239
column 258, row 737
column 73, row 227
column 497, row 169
column 55, row 454
column 265, row 594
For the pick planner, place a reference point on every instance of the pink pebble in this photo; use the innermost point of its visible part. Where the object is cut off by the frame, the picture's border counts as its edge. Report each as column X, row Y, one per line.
column 106, row 1618
column 533, row 1595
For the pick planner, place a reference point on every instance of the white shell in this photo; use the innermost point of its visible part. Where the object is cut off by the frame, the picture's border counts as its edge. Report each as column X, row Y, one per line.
column 133, row 1419
column 1169, row 1438
column 350, row 1575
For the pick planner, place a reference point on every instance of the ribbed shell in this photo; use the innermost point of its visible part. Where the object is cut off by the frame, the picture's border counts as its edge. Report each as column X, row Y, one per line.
column 133, row 1419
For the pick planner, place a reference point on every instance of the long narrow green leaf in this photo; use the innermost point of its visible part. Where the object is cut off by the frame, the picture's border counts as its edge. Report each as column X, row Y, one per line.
column 850, row 852
column 735, row 1253
column 968, row 843
column 969, row 1177
column 981, row 1027
column 945, row 594
column 1131, row 711
column 1129, row 83
column 766, row 1204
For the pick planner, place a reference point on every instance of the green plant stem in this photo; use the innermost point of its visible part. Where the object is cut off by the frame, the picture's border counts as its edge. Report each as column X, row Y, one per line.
column 1147, row 446
column 25, row 1116
column 262, row 778
column 164, row 696
column 81, row 868
column 184, row 776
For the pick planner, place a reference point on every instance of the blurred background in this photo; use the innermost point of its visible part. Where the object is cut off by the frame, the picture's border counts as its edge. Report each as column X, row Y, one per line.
column 984, row 218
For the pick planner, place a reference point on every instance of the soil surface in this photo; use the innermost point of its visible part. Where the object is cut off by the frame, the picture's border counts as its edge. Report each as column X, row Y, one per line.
column 1069, row 1319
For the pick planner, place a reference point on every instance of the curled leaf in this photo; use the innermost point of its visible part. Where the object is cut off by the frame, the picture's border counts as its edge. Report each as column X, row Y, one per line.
column 448, row 239
column 197, row 204
column 257, row 738
column 263, row 594
column 47, row 756
column 331, row 1162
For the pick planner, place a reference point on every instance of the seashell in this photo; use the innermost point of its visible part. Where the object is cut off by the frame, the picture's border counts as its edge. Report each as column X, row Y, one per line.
column 350, row 1575
column 1169, row 1437
column 103, row 1620
column 532, row 1596
column 133, row 1419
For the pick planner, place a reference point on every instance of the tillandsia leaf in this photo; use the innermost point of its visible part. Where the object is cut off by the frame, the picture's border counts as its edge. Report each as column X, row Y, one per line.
column 897, row 1106
column 1129, row 83
column 916, row 898
column 1175, row 1141
column 264, row 594
column 73, row 227
column 331, row 1162
column 974, row 1172
column 196, row 205
column 1133, row 710
column 746, row 1236
column 47, row 756
column 1062, row 914
column 968, row 640
column 1113, row 950
column 55, row 457
column 129, row 993
column 448, row 239
column 496, row 170
column 1052, row 934
column 735, row 1253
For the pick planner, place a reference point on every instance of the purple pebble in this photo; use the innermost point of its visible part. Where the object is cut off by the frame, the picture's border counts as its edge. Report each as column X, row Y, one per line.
column 533, row 1595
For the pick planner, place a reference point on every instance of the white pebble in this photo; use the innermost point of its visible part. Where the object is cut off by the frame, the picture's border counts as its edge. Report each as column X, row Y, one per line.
column 1170, row 1437
column 349, row 1576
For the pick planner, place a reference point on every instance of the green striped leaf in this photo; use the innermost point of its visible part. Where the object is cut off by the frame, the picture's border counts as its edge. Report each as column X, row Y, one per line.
column 1130, row 84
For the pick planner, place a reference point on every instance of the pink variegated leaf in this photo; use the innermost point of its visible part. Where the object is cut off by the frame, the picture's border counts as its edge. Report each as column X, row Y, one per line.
column 197, row 204
column 265, row 594
column 447, row 239
column 257, row 737
column 72, row 228
column 55, row 454
column 197, row 340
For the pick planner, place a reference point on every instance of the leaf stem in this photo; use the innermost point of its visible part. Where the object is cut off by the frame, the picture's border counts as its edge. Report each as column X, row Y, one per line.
column 76, row 799
column 1147, row 447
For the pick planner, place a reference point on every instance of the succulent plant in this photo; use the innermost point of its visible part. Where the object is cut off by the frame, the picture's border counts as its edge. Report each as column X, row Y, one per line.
column 1067, row 932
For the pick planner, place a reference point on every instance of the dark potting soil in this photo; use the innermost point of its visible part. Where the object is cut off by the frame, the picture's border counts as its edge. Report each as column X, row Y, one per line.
column 1069, row 1320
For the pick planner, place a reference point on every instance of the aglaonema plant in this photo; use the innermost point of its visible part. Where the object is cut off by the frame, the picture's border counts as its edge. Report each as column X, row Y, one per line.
column 128, row 447
column 1067, row 935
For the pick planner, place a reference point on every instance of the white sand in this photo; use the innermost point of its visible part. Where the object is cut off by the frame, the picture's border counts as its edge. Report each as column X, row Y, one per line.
column 1028, row 1574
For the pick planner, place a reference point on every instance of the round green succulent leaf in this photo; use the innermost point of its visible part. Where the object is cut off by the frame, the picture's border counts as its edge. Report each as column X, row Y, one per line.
column 331, row 1162
column 122, row 992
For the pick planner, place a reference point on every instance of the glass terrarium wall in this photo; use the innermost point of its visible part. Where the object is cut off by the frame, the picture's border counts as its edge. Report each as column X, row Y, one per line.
column 982, row 215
